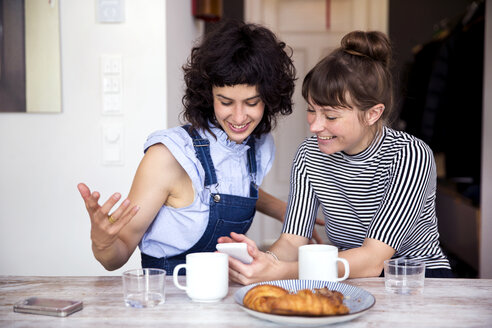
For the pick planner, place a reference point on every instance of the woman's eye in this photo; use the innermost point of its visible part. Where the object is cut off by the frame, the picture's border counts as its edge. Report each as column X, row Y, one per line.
column 226, row 103
column 330, row 118
column 309, row 110
column 252, row 104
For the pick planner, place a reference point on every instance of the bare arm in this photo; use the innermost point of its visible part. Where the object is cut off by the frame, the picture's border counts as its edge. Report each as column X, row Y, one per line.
column 286, row 248
column 271, row 205
column 367, row 260
column 157, row 181
column 276, row 208
column 364, row 261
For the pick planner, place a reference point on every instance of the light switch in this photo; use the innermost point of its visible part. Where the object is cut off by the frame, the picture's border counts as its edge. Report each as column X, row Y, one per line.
column 112, row 104
column 112, row 144
column 110, row 11
column 111, row 84
column 111, row 64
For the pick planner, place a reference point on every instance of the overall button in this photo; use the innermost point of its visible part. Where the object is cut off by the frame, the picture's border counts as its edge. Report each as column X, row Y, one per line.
column 216, row 198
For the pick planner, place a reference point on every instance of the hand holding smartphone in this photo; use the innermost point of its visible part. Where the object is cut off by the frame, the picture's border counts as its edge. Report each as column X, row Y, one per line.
column 236, row 250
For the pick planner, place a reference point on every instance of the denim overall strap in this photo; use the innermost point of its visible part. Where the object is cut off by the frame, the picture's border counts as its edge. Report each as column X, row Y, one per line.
column 202, row 151
column 227, row 213
column 253, row 189
column 251, row 155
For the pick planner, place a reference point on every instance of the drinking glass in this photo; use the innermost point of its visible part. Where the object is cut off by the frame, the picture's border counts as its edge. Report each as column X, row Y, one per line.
column 144, row 287
column 403, row 276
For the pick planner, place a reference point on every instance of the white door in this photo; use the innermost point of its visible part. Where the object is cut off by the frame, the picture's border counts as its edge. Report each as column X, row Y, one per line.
column 302, row 24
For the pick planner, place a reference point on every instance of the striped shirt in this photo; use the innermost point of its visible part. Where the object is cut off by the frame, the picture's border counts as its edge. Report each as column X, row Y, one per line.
column 387, row 193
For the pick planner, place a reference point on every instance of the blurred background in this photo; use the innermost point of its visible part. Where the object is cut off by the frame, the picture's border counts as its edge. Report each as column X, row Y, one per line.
column 85, row 82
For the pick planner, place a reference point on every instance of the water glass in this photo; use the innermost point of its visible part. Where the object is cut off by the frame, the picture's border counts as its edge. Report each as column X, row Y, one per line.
column 403, row 276
column 144, row 287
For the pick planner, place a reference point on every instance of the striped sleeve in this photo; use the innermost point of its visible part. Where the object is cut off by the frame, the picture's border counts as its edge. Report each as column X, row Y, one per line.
column 411, row 176
column 303, row 203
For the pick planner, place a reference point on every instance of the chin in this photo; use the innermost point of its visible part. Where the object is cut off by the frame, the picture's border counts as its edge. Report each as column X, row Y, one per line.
column 328, row 150
column 238, row 137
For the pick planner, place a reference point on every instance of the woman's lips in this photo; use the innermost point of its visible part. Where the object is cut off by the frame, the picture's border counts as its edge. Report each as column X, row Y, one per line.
column 238, row 127
column 326, row 138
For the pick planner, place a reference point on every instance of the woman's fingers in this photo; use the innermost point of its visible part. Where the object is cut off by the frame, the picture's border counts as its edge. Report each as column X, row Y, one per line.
column 101, row 213
column 237, row 271
column 122, row 215
column 224, row 239
column 246, row 274
column 110, row 203
column 90, row 199
column 116, row 215
column 84, row 190
column 240, row 238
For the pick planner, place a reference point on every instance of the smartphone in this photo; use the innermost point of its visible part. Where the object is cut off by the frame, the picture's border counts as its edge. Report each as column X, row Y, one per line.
column 48, row 306
column 236, row 250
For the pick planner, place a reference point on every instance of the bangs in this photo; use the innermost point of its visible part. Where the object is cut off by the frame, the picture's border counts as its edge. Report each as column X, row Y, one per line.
column 327, row 87
column 240, row 66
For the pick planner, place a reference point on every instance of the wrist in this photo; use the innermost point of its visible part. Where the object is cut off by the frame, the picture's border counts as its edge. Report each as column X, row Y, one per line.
column 273, row 255
column 282, row 269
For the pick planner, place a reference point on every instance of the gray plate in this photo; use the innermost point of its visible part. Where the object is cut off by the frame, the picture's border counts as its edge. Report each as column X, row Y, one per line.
column 356, row 299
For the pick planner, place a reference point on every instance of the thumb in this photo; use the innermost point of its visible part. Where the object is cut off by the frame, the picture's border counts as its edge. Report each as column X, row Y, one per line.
column 253, row 251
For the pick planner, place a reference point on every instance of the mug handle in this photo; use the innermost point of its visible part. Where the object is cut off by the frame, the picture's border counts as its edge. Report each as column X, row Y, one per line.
column 175, row 275
column 345, row 264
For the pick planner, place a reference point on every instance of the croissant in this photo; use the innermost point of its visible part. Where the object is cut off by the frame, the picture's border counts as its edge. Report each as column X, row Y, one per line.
column 330, row 293
column 276, row 300
column 307, row 303
column 259, row 297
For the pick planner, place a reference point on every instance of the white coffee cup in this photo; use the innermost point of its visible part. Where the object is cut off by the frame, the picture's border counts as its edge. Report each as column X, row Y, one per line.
column 320, row 262
column 207, row 276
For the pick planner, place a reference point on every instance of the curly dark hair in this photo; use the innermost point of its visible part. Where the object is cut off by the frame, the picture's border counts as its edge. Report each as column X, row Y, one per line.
column 239, row 53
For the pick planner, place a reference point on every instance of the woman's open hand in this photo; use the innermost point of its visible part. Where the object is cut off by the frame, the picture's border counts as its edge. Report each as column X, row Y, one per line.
column 105, row 227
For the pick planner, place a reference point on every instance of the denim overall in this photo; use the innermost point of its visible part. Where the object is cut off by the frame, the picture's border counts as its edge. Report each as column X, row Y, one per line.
column 227, row 212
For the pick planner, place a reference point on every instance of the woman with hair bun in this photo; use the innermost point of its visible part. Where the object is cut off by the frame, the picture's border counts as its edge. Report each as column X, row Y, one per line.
column 200, row 181
column 376, row 186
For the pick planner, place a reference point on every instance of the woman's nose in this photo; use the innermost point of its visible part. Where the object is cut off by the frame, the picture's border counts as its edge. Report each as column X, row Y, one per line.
column 316, row 123
column 239, row 114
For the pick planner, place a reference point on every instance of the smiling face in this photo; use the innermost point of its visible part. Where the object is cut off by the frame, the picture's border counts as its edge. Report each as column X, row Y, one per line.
column 238, row 109
column 341, row 129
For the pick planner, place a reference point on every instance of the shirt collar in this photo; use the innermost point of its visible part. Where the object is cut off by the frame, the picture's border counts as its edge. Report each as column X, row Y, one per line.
column 223, row 139
column 369, row 151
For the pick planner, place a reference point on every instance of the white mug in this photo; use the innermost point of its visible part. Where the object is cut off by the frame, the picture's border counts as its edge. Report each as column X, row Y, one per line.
column 319, row 262
column 207, row 276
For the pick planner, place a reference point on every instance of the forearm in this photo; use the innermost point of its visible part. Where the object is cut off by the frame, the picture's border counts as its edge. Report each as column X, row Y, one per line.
column 286, row 270
column 271, row 205
column 113, row 257
column 367, row 260
column 286, row 249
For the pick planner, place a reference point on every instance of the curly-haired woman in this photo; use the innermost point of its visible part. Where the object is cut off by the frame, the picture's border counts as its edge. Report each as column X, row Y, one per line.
column 200, row 181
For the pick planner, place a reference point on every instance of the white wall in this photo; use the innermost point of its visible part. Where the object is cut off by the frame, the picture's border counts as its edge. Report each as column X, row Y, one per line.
column 178, row 18
column 44, row 228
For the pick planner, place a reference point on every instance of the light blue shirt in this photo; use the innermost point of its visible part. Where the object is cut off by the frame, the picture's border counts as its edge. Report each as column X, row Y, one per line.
column 173, row 230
